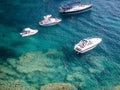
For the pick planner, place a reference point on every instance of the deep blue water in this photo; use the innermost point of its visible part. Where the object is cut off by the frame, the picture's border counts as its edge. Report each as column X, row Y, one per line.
column 98, row 69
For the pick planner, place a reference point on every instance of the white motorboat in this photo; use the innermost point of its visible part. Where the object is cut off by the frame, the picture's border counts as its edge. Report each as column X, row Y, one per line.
column 87, row 44
column 28, row 32
column 49, row 21
column 74, row 8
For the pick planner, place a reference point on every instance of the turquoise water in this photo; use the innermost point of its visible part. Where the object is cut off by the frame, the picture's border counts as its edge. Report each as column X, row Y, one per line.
column 48, row 56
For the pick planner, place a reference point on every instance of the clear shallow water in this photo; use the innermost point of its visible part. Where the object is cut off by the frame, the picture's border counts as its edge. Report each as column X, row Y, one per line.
column 53, row 46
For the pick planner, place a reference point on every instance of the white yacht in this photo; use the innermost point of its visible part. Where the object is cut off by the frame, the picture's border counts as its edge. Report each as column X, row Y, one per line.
column 87, row 44
column 49, row 21
column 28, row 32
column 74, row 8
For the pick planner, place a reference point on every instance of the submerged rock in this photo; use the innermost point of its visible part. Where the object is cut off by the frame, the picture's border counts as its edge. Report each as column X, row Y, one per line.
column 14, row 85
column 75, row 76
column 92, row 70
column 12, row 62
column 39, row 67
column 7, row 70
column 98, row 62
column 117, row 87
column 37, row 61
column 77, row 79
column 7, row 73
column 58, row 86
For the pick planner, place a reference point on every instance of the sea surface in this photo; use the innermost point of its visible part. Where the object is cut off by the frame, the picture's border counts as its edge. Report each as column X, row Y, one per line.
column 48, row 56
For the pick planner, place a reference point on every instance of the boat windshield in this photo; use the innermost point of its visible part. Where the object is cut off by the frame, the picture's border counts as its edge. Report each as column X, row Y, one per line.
column 70, row 5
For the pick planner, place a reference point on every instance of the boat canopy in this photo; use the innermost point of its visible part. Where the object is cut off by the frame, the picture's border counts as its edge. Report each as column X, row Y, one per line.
column 27, row 29
column 70, row 5
column 47, row 16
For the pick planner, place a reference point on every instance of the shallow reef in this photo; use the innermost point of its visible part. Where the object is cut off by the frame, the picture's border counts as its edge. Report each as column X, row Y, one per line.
column 48, row 70
column 117, row 87
column 58, row 86
column 15, row 85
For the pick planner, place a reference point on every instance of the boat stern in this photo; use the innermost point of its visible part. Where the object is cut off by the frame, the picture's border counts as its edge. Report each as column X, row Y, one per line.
column 77, row 48
column 61, row 10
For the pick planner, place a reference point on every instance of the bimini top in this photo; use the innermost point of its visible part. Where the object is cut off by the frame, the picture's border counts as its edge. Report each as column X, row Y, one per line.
column 47, row 16
column 70, row 5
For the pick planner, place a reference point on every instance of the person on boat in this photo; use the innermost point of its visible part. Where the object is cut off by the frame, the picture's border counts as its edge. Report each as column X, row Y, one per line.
column 26, row 32
column 83, row 43
column 78, row 48
column 46, row 19
column 49, row 19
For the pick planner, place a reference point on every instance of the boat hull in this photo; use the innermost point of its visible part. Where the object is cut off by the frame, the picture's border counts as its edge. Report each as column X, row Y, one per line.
column 88, row 49
column 80, row 49
column 24, row 35
column 77, row 11
column 50, row 23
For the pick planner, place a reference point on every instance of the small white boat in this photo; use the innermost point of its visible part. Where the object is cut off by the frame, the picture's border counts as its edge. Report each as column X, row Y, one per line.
column 49, row 21
column 74, row 8
column 87, row 44
column 28, row 32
